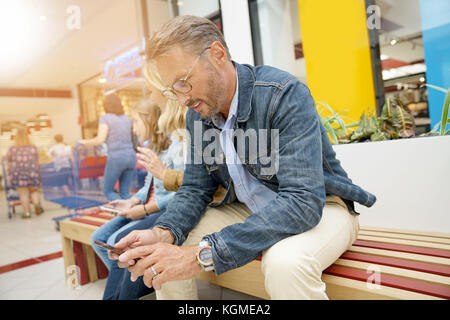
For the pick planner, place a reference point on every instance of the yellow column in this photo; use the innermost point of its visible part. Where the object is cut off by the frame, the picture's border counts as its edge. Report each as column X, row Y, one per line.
column 337, row 55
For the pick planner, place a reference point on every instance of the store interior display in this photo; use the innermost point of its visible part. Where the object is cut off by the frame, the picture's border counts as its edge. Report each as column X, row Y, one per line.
column 92, row 104
column 39, row 128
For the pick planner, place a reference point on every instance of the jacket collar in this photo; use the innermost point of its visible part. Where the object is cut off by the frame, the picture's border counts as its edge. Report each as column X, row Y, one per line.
column 246, row 82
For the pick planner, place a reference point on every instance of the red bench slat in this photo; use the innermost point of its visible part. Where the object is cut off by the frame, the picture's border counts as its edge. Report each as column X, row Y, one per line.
column 399, row 263
column 422, row 287
column 98, row 215
column 102, row 271
column 403, row 248
column 80, row 261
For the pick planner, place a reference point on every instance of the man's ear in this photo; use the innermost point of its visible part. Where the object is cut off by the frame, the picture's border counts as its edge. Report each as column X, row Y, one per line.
column 217, row 54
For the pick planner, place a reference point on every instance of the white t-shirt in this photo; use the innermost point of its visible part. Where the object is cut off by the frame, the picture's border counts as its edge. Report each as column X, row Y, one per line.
column 61, row 155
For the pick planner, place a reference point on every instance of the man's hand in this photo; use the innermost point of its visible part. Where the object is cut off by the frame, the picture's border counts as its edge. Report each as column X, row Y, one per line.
column 171, row 263
column 139, row 238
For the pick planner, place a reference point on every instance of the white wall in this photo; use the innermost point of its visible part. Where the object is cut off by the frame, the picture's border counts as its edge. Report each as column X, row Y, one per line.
column 277, row 37
column 236, row 29
column 409, row 177
column 158, row 14
column 201, row 8
column 63, row 113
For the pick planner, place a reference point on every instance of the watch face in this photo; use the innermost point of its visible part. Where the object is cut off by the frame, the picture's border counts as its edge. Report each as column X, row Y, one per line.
column 205, row 256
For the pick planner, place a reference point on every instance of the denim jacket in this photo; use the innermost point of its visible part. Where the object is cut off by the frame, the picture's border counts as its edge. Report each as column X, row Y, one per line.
column 282, row 112
column 173, row 159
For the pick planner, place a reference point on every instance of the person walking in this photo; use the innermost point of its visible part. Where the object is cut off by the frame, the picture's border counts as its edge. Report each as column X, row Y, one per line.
column 23, row 164
column 115, row 129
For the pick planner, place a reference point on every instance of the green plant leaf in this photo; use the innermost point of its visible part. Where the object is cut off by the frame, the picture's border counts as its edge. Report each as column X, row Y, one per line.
column 435, row 128
column 444, row 118
column 386, row 111
column 352, row 125
column 436, row 88
column 402, row 121
column 332, row 133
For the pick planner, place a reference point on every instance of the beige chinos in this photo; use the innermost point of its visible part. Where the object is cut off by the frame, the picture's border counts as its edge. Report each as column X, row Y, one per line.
column 293, row 266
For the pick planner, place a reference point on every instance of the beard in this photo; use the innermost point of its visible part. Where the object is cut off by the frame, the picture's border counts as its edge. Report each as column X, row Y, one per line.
column 215, row 98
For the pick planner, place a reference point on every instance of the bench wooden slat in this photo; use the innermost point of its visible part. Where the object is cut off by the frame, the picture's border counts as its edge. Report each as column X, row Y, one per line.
column 401, row 231
column 102, row 220
column 101, row 216
column 403, row 255
column 405, row 237
column 422, row 287
column 88, row 221
column 403, row 248
column 406, row 242
column 394, row 262
column 395, row 271
column 339, row 288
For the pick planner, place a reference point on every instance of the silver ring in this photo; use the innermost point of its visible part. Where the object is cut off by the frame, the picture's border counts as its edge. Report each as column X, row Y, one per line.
column 154, row 271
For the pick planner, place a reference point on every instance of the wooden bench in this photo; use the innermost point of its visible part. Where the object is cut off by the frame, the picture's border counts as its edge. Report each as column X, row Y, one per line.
column 76, row 245
column 381, row 264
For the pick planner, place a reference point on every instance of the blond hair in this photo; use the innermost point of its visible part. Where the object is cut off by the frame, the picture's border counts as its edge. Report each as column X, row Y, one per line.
column 22, row 138
column 190, row 32
column 148, row 111
column 174, row 115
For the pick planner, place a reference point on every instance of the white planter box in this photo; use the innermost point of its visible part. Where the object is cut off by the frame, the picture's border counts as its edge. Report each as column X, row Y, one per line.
column 409, row 177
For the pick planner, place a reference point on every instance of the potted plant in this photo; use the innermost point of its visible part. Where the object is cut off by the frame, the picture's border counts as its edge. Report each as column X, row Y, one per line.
column 410, row 177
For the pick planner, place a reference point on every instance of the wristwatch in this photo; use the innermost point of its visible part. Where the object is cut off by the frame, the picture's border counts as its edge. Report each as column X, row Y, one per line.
column 204, row 256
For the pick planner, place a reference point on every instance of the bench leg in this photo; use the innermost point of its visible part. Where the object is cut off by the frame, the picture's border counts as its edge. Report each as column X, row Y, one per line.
column 69, row 257
column 90, row 261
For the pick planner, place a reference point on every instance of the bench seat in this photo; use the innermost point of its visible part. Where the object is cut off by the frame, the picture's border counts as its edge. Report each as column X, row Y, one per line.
column 381, row 264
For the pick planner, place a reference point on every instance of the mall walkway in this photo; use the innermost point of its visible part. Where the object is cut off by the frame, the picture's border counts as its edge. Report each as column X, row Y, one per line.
column 31, row 264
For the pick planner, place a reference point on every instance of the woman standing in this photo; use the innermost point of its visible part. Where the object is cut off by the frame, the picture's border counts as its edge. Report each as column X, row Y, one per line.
column 23, row 164
column 115, row 128
column 144, row 202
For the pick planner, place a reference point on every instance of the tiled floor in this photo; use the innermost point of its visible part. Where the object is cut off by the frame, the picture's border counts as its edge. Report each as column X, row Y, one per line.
column 22, row 239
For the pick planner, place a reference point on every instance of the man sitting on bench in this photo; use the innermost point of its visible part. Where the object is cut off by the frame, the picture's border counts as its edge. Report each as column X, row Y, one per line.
column 288, row 198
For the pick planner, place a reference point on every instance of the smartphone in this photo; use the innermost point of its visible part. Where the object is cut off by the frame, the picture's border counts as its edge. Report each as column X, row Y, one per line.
column 111, row 248
column 110, row 208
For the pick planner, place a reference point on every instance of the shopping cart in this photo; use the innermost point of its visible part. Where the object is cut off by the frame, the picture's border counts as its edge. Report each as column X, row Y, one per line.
column 81, row 186
column 12, row 196
column 78, row 187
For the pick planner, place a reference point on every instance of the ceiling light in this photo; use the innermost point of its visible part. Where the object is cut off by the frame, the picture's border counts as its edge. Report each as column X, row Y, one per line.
column 101, row 80
column 43, row 18
column 422, row 79
column 393, row 42
column 179, row 3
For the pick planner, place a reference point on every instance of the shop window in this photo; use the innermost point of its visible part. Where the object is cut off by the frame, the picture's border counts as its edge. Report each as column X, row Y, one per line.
column 202, row 8
column 121, row 76
column 402, row 58
column 277, row 39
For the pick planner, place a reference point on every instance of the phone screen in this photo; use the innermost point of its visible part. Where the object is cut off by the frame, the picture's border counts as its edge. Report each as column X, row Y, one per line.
column 107, row 246
column 110, row 209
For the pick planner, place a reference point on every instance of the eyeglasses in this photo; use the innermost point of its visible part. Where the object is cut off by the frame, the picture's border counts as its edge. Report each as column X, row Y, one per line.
column 182, row 85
